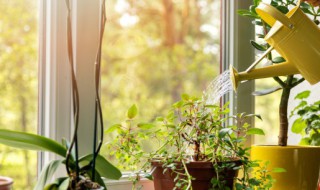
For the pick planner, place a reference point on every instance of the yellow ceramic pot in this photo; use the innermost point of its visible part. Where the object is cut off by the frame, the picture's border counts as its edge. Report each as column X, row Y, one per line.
column 302, row 164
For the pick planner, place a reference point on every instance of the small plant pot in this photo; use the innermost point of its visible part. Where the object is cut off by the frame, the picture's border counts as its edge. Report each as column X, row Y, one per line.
column 5, row 183
column 202, row 172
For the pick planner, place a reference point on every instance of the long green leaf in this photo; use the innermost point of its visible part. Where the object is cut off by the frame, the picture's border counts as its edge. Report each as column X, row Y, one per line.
column 99, row 179
column 65, row 184
column 255, row 131
column 103, row 166
column 47, row 173
column 59, row 184
column 30, row 142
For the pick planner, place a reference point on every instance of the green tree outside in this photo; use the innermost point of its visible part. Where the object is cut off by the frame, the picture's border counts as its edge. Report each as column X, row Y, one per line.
column 18, row 85
column 154, row 51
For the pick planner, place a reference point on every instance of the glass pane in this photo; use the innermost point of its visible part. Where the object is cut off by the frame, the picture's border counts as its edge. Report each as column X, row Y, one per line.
column 268, row 107
column 18, row 85
column 154, row 51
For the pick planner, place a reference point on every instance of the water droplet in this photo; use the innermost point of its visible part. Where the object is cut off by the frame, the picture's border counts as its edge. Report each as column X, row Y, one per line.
column 219, row 86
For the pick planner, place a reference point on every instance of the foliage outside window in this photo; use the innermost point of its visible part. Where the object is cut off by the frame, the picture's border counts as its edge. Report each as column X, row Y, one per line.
column 154, row 52
column 18, row 85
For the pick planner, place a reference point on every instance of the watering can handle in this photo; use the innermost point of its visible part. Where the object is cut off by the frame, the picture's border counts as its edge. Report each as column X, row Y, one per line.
column 270, row 15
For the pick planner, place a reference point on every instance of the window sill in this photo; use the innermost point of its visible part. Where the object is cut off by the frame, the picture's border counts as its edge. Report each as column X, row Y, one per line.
column 125, row 184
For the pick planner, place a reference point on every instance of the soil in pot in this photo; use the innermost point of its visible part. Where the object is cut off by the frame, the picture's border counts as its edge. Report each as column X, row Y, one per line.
column 203, row 172
column 5, row 183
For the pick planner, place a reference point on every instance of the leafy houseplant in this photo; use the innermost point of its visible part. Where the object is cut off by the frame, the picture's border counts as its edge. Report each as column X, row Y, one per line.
column 84, row 172
column 304, row 165
column 289, row 82
column 192, row 133
column 308, row 122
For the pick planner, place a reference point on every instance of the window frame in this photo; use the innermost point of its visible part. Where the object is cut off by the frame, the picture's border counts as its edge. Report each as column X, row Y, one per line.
column 54, row 80
column 236, row 33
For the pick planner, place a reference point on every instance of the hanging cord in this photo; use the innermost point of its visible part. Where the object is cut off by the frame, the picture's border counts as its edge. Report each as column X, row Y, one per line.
column 75, row 100
column 98, row 110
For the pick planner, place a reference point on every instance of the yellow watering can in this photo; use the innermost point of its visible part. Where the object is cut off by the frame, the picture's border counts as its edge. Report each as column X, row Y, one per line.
column 295, row 37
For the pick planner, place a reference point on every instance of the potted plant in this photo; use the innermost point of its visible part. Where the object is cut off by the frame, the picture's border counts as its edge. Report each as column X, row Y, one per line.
column 306, row 162
column 83, row 173
column 5, row 183
column 197, row 150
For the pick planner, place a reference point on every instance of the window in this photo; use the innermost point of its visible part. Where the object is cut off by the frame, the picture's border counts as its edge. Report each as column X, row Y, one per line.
column 162, row 52
column 154, row 51
column 19, row 85
column 134, row 31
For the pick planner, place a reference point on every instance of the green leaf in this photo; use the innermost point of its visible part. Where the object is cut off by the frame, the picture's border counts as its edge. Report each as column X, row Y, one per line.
column 305, row 5
column 51, row 187
column 58, row 184
column 246, row 13
column 258, row 46
column 47, row 173
column 31, row 142
column 103, row 166
column 278, row 60
column 148, row 176
column 132, row 111
column 255, row 131
column 315, row 139
column 302, row 95
column 185, row 97
column 252, row 9
column 178, row 104
column 97, row 179
column 283, row 9
column 278, row 170
column 306, row 10
column 159, row 119
column 305, row 141
column 298, row 126
column 67, row 144
column 64, row 185
column 112, row 128
column 223, row 132
column 145, row 125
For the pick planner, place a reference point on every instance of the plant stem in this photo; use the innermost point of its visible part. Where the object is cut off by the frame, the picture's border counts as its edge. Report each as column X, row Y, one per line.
column 98, row 111
column 75, row 99
column 283, row 112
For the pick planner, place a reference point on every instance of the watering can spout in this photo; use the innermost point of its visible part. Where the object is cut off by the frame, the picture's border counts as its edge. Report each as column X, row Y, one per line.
column 282, row 69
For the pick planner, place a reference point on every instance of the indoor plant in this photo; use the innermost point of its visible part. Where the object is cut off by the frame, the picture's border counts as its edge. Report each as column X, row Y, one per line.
column 305, row 163
column 193, row 133
column 307, row 124
column 82, row 172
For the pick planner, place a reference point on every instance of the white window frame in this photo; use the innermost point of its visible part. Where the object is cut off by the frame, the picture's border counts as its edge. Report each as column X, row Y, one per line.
column 237, row 31
column 54, row 71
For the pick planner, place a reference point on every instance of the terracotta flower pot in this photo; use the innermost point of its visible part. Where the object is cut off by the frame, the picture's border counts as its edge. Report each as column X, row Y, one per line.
column 5, row 183
column 203, row 172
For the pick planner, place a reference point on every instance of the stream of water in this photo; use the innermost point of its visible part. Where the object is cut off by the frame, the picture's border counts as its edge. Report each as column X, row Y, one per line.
column 218, row 87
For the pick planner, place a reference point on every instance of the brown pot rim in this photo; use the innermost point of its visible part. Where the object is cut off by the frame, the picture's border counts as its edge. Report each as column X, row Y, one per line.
column 5, row 180
column 197, row 164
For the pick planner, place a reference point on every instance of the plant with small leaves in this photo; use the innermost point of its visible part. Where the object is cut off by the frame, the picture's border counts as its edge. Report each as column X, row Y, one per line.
column 127, row 145
column 307, row 122
column 191, row 131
